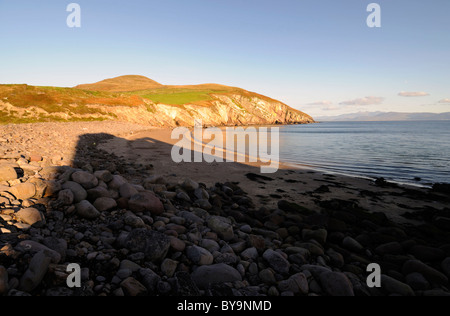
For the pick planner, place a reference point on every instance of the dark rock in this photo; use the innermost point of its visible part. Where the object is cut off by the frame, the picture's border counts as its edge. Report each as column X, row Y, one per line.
column 276, row 261
column 146, row 202
column 425, row 253
column 204, row 276
column 393, row 286
column 153, row 244
column 417, row 281
column 336, row 284
column 429, row 273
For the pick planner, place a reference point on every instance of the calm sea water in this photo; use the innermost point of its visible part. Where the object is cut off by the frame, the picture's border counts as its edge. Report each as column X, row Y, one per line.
column 398, row 151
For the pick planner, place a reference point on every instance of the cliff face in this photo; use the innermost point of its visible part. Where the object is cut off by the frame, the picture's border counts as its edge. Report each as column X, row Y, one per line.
column 163, row 106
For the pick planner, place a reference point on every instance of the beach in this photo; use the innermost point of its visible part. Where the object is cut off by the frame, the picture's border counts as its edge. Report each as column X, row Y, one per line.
column 106, row 196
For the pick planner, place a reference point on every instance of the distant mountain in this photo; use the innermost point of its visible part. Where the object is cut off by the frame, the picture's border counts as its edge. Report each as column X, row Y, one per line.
column 387, row 116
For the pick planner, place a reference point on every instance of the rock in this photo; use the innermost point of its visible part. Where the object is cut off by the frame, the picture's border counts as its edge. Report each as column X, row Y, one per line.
column 199, row 256
column 35, row 273
column 85, row 179
column 78, row 191
column 313, row 248
column 417, row 282
column 393, row 286
column 116, row 182
column 57, row 244
column 393, row 248
column 204, row 204
column 127, row 190
column 98, row 192
column 446, row 266
column 153, row 244
column 205, row 276
column 351, row 244
column 184, row 285
column 86, row 210
column 222, row 226
column 133, row 220
column 210, row 245
column 427, row 254
column 267, row 276
column 190, row 185
column 31, row 216
column 249, row 254
column 297, row 284
column 429, row 273
column 336, row 284
column 146, row 202
column 150, row 280
column 23, row 191
column 132, row 287
column 319, row 235
column 336, row 258
column 65, row 197
column 4, row 286
column 177, row 244
column 35, row 247
column 104, row 175
column 168, row 267
column 104, row 204
column 276, row 261
column 7, row 173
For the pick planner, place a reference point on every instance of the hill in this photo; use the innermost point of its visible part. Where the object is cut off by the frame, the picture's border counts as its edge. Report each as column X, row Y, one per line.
column 388, row 116
column 139, row 99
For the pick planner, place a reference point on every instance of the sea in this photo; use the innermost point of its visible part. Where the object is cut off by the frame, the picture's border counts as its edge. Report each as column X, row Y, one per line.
column 416, row 153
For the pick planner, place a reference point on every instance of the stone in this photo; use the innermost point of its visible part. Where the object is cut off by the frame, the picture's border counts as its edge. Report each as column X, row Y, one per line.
column 257, row 241
column 184, row 285
column 31, row 216
column 336, row 259
column 23, row 191
column 98, row 192
column 199, row 256
column 86, row 210
column 127, row 190
column 116, row 182
column 104, row 175
column 35, row 247
column 267, row 276
column 154, row 245
column 249, row 254
column 351, row 244
column 336, row 284
column 417, row 282
column 168, row 267
column 393, row 286
column 4, row 285
column 146, row 202
column 297, row 284
column 429, row 273
column 204, row 276
column 319, row 235
column 104, row 204
column 427, row 254
column 7, row 173
column 150, row 280
column 222, row 226
column 134, row 221
column 210, row 245
column 177, row 244
column 446, row 266
column 190, row 185
column 57, row 244
column 276, row 261
column 85, row 179
column 393, row 248
column 79, row 193
column 132, row 287
column 65, row 197
column 35, row 273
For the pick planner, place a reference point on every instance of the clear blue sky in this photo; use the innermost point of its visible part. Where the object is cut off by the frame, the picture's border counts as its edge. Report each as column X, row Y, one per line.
column 315, row 55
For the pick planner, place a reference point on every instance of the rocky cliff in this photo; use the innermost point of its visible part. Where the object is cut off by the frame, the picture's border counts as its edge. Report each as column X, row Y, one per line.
column 162, row 106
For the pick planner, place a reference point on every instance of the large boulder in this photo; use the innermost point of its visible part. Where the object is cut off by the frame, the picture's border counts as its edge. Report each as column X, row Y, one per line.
column 146, row 201
column 31, row 216
column 7, row 173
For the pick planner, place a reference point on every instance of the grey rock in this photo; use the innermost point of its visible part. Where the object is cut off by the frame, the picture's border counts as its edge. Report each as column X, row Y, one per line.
column 31, row 216
column 250, row 254
column 432, row 275
column 86, row 210
column 4, row 286
column 85, row 179
column 132, row 287
column 446, row 266
column 427, row 254
column 98, row 192
column 146, row 202
column 351, row 244
column 393, row 248
column 127, row 190
column 336, row 284
column 35, row 273
column 78, row 191
column 222, row 226
column 168, row 267
column 199, row 255
column 204, row 276
column 153, row 244
column 149, row 279
column 319, row 235
column 210, row 245
column 276, row 261
column 35, row 247
column 104, row 175
column 267, row 276
column 417, row 282
column 66, row 197
column 104, row 204
column 116, row 182
column 190, row 185
column 297, row 284
column 393, row 286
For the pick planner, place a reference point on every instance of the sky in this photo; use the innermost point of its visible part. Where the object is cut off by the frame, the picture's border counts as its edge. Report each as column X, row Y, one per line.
column 318, row 56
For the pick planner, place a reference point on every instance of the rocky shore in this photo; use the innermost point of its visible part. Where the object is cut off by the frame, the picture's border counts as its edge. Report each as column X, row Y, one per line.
column 134, row 231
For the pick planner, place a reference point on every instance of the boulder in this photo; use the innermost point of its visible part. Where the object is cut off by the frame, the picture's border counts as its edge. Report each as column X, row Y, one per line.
column 220, row 273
